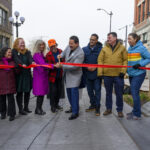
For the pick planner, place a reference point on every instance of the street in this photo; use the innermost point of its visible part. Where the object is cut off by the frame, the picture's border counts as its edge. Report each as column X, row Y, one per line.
column 88, row 132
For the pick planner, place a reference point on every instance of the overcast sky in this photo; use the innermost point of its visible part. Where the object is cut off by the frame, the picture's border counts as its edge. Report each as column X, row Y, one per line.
column 60, row 19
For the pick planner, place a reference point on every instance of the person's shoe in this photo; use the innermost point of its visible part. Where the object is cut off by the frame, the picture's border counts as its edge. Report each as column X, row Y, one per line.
column 107, row 112
column 3, row 117
column 11, row 118
column 39, row 112
column 27, row 110
column 22, row 112
column 91, row 108
column 53, row 110
column 136, row 118
column 97, row 111
column 59, row 107
column 120, row 114
column 68, row 111
column 73, row 116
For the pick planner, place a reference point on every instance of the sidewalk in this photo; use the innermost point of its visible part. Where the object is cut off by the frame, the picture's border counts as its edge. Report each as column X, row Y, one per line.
column 56, row 132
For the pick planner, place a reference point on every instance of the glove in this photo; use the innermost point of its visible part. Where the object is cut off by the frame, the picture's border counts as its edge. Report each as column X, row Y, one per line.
column 121, row 75
column 136, row 66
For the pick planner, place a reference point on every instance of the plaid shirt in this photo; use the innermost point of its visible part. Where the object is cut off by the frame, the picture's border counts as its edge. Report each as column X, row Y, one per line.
column 53, row 72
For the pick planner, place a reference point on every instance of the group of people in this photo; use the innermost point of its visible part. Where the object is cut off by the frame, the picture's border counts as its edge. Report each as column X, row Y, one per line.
column 19, row 80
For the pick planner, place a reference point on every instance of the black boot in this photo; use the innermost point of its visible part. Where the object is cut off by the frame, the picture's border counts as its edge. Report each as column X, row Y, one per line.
column 26, row 102
column 39, row 110
column 19, row 99
column 41, row 103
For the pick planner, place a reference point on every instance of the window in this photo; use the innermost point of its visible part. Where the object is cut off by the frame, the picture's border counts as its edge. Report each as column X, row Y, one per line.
column 4, row 41
column 143, row 16
column 145, row 37
column 139, row 15
column 3, row 17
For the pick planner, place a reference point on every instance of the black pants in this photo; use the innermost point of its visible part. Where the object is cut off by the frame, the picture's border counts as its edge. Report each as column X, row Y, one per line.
column 55, row 92
column 10, row 110
column 19, row 99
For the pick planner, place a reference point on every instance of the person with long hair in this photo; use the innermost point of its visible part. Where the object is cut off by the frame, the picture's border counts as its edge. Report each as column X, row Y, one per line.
column 138, row 56
column 7, row 85
column 40, row 76
column 22, row 56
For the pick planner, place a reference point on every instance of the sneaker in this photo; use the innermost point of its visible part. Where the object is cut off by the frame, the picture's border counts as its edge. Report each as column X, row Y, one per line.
column 136, row 118
column 130, row 116
column 120, row 114
column 107, row 112
column 91, row 108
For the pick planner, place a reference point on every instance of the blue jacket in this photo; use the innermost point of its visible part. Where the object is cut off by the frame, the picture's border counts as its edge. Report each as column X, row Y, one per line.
column 137, row 54
column 91, row 56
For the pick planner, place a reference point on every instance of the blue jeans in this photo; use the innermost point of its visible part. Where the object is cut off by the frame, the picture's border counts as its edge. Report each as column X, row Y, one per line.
column 119, row 86
column 135, row 83
column 94, row 91
column 73, row 97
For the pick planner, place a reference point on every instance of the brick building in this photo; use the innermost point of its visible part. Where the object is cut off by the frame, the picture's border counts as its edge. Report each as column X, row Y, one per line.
column 5, row 26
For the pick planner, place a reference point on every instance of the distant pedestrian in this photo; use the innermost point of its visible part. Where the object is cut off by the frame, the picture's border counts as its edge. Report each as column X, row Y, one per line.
column 55, row 76
column 114, row 53
column 40, row 76
column 22, row 56
column 7, row 85
column 93, row 82
column 72, row 54
column 138, row 56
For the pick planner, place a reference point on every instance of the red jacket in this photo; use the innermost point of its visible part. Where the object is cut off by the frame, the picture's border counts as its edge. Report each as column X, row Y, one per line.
column 7, row 80
column 51, row 60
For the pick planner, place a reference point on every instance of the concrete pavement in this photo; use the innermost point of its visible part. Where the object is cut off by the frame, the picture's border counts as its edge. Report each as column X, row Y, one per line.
column 56, row 132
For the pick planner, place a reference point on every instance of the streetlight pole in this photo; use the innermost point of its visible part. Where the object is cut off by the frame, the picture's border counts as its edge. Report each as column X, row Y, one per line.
column 16, row 24
column 126, row 34
column 110, row 14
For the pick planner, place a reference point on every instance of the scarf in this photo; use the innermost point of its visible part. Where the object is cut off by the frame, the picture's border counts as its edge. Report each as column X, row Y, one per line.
column 5, row 61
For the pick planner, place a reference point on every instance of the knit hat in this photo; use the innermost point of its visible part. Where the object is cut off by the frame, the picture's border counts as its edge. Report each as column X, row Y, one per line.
column 51, row 42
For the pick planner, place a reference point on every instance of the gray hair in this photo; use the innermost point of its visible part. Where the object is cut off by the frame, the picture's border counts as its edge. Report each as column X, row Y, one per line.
column 37, row 46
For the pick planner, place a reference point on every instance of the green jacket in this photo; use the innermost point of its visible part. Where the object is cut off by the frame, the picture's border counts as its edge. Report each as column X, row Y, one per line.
column 107, row 56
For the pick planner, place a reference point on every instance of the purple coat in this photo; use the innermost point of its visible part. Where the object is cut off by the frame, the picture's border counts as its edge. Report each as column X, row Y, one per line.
column 40, row 76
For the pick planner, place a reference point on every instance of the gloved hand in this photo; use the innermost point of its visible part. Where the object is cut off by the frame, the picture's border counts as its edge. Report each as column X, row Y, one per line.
column 136, row 66
column 121, row 75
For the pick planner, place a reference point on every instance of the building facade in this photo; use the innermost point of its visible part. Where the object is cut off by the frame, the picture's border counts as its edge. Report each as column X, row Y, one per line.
column 5, row 26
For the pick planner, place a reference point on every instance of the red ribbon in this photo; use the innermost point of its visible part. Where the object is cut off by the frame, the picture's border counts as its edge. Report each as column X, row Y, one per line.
column 74, row 64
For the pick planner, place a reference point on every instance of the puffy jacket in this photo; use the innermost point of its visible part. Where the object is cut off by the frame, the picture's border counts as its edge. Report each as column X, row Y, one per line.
column 107, row 56
column 137, row 54
column 91, row 56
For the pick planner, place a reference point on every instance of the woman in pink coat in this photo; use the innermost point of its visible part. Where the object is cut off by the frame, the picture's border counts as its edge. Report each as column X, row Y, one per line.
column 40, row 76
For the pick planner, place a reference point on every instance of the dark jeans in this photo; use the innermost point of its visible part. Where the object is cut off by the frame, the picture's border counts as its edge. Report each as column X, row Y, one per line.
column 19, row 99
column 73, row 97
column 55, row 92
column 119, row 86
column 10, row 110
column 135, row 83
column 94, row 91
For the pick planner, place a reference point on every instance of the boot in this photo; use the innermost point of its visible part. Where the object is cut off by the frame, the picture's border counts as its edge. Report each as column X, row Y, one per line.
column 26, row 102
column 19, row 99
column 39, row 110
column 41, row 103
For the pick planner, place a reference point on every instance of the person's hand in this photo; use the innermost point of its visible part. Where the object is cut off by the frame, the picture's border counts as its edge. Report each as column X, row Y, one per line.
column 59, row 56
column 136, row 66
column 24, row 65
column 121, row 75
column 91, row 69
column 33, row 63
column 58, row 65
